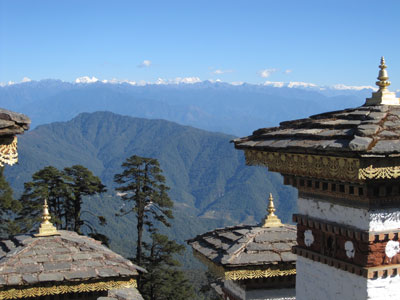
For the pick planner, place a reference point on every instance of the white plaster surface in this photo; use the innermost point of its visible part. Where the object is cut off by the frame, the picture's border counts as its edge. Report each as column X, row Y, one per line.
column 235, row 289
column 372, row 220
column 316, row 281
column 384, row 288
column 271, row 294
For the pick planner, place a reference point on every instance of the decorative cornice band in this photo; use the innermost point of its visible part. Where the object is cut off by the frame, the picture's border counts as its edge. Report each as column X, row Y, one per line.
column 26, row 292
column 241, row 274
column 263, row 273
column 379, row 173
column 317, row 166
column 9, row 153
column 370, row 273
column 346, row 231
column 330, row 261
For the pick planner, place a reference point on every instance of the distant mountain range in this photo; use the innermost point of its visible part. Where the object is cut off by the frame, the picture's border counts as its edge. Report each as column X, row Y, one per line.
column 213, row 106
column 210, row 183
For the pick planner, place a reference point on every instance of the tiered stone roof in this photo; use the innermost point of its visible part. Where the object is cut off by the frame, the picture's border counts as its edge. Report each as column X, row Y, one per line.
column 373, row 130
column 12, row 123
column 247, row 246
column 28, row 261
column 370, row 130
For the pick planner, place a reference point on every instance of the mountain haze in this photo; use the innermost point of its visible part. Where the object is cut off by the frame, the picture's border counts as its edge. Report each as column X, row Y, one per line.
column 221, row 107
column 210, row 183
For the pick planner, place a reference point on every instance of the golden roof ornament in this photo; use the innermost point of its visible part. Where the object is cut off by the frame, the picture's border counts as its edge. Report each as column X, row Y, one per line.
column 46, row 227
column 383, row 96
column 271, row 220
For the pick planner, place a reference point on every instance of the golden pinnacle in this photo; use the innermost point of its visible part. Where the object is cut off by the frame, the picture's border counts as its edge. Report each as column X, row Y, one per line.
column 383, row 96
column 271, row 206
column 46, row 227
column 271, row 220
column 383, row 76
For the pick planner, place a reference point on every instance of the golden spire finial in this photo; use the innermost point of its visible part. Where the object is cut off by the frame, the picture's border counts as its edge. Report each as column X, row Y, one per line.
column 383, row 76
column 271, row 220
column 46, row 227
column 383, row 95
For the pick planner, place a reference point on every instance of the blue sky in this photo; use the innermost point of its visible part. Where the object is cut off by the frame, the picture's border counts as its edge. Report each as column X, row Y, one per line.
column 322, row 42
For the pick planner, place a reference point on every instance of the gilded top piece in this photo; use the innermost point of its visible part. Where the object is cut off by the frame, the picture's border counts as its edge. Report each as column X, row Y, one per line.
column 383, row 95
column 46, row 227
column 271, row 220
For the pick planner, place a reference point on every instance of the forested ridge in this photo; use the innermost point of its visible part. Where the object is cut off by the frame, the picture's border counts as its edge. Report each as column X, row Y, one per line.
column 210, row 184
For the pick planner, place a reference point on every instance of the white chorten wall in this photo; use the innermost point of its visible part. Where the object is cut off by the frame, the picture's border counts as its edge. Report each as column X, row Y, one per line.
column 318, row 281
column 235, row 289
column 373, row 220
column 338, row 284
column 259, row 294
column 271, row 294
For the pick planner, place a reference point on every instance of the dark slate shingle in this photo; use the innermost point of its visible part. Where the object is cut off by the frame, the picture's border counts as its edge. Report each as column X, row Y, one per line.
column 254, row 245
column 363, row 130
column 26, row 260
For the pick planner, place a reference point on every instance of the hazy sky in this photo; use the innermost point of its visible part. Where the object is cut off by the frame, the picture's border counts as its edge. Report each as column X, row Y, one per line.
column 322, row 42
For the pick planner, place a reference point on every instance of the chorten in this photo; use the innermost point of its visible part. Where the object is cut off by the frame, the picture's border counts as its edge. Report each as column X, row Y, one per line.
column 59, row 264
column 251, row 261
column 346, row 167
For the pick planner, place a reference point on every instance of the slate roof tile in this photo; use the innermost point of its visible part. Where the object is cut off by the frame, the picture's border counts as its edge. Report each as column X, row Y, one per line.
column 26, row 260
column 254, row 245
column 12, row 123
column 366, row 130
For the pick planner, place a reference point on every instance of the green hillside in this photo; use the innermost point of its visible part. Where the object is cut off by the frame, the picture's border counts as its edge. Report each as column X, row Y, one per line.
column 210, row 183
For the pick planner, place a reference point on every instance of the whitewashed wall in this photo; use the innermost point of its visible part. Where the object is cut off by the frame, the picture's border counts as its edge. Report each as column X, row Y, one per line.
column 235, row 289
column 373, row 220
column 316, row 281
column 272, row 294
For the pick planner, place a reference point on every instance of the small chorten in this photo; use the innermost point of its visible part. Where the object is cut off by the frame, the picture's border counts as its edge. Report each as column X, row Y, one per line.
column 46, row 227
column 271, row 220
column 383, row 95
column 251, row 261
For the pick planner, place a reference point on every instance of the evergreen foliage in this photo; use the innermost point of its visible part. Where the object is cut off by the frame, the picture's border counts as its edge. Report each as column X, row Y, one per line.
column 164, row 281
column 209, row 180
column 142, row 185
column 83, row 183
column 64, row 191
column 8, row 207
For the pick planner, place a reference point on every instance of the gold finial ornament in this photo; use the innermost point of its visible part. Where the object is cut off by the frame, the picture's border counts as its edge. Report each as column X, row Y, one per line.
column 383, row 76
column 271, row 220
column 46, row 227
column 383, row 95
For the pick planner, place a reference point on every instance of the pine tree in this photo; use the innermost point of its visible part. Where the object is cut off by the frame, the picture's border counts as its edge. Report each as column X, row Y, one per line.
column 8, row 207
column 143, row 186
column 83, row 183
column 48, row 183
column 164, row 281
column 64, row 191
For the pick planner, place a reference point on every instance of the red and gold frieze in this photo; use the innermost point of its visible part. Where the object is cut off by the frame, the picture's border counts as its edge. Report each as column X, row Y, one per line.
column 361, row 252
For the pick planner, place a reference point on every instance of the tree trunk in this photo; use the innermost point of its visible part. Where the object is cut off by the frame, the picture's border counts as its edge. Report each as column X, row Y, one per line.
column 77, row 213
column 139, row 239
